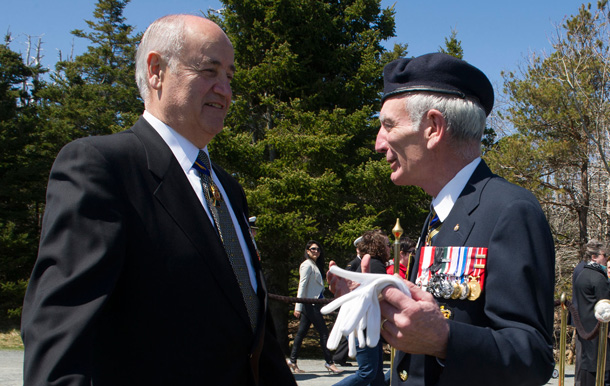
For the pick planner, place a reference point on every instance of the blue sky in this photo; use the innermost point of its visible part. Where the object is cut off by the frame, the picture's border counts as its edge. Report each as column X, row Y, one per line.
column 496, row 35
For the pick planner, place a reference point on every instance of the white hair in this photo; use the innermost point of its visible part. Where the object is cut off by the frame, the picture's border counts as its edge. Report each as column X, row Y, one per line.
column 166, row 36
column 465, row 119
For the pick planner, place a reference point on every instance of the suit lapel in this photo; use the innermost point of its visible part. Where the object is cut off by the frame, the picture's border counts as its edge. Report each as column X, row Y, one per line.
column 454, row 232
column 457, row 226
column 459, row 223
column 176, row 195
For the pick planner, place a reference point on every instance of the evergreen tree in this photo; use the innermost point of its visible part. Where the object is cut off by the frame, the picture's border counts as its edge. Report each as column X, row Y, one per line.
column 22, row 177
column 96, row 93
column 453, row 46
column 301, row 131
column 93, row 94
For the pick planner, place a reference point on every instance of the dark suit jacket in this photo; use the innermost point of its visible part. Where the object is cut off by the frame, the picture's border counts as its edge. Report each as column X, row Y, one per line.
column 505, row 336
column 354, row 265
column 132, row 285
column 590, row 286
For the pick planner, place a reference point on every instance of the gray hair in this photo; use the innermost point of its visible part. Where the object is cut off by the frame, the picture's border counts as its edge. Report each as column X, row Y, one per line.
column 465, row 118
column 594, row 247
column 166, row 36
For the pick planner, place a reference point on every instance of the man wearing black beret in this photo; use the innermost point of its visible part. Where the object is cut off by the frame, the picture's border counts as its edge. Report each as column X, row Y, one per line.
column 481, row 304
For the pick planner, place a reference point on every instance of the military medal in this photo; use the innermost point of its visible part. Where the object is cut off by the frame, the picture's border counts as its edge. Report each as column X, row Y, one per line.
column 475, row 288
column 457, row 290
column 452, row 272
column 446, row 288
column 434, row 286
column 465, row 291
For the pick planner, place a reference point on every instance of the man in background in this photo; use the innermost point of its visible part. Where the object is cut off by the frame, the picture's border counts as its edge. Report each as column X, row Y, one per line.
column 578, row 349
column 591, row 286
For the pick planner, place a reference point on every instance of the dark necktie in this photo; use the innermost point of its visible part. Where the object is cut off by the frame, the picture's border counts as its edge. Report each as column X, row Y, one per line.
column 434, row 226
column 228, row 235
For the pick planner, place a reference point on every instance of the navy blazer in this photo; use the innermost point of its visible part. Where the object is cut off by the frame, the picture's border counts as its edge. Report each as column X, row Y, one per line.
column 132, row 285
column 505, row 336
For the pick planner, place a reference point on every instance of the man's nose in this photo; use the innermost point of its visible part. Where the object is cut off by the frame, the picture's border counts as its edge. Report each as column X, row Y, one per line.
column 381, row 143
column 223, row 87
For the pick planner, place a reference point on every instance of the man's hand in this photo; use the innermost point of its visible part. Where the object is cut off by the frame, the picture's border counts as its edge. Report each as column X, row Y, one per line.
column 414, row 324
column 297, row 314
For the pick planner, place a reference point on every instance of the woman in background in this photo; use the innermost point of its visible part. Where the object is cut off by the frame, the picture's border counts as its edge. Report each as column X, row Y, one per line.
column 311, row 285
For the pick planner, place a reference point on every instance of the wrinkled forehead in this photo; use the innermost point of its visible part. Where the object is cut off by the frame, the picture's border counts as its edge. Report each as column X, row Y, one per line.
column 393, row 110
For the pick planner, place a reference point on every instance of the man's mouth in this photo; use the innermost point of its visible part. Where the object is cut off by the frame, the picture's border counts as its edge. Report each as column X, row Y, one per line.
column 215, row 105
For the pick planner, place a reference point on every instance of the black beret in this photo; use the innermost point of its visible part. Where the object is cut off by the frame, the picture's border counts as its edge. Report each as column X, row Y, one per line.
column 439, row 73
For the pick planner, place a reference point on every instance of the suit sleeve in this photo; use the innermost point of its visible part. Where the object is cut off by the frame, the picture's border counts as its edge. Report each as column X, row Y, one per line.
column 515, row 346
column 79, row 260
column 601, row 288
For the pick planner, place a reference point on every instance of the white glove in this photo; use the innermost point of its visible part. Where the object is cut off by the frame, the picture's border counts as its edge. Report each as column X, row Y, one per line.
column 602, row 310
column 359, row 308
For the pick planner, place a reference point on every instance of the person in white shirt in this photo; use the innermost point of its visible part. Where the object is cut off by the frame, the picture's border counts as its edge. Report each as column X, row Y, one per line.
column 311, row 286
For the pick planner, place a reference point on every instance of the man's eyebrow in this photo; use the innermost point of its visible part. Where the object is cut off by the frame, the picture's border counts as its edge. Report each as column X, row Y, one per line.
column 217, row 63
column 385, row 120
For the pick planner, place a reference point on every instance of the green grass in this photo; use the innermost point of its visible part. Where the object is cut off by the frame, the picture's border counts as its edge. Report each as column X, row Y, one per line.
column 10, row 339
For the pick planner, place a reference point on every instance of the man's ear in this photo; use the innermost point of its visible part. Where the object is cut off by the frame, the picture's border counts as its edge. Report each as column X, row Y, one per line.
column 435, row 128
column 156, row 70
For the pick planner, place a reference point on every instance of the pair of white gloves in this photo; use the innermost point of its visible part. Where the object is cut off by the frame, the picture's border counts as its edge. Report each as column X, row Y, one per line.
column 359, row 309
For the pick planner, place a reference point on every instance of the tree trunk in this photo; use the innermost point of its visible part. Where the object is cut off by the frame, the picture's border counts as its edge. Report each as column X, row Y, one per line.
column 278, row 284
column 583, row 209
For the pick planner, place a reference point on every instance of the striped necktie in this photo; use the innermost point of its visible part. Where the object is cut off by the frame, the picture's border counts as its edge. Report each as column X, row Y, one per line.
column 228, row 235
column 434, row 226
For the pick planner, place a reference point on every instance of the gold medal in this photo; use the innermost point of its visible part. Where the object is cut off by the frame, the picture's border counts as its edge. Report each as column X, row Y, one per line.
column 475, row 289
column 457, row 291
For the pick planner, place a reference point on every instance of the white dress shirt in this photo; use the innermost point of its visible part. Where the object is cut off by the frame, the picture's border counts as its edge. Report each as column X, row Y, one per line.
column 446, row 198
column 186, row 154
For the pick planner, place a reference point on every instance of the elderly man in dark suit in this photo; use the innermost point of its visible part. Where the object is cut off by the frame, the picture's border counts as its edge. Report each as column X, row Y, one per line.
column 147, row 273
column 482, row 282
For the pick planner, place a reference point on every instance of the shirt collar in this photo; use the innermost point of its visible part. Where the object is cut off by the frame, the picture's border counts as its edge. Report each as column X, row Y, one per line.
column 184, row 151
column 446, row 198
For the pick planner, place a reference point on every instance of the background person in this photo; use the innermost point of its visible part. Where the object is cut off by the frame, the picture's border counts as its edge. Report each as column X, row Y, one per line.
column 591, row 286
column 341, row 354
column 577, row 347
column 407, row 250
column 311, row 285
column 375, row 250
column 133, row 284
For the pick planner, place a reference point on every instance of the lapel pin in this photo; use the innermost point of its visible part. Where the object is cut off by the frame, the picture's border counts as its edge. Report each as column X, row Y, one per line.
column 403, row 375
column 456, row 227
